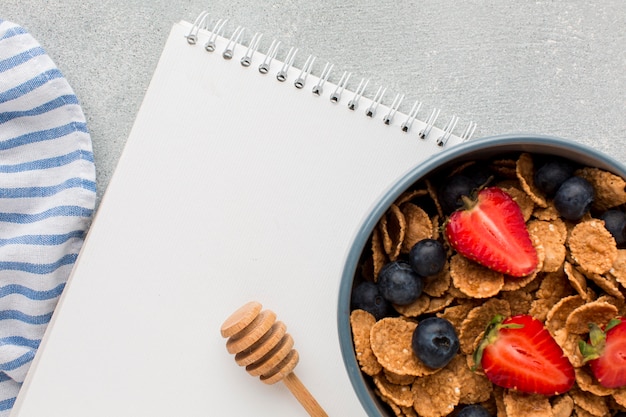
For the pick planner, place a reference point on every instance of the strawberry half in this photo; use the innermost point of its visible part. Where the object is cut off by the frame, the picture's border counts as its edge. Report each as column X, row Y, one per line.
column 606, row 353
column 491, row 231
column 519, row 353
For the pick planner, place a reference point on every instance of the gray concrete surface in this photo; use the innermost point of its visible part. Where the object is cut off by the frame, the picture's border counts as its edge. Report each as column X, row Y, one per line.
column 549, row 67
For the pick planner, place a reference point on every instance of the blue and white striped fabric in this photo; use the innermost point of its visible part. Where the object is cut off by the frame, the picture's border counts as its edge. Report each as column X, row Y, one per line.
column 47, row 198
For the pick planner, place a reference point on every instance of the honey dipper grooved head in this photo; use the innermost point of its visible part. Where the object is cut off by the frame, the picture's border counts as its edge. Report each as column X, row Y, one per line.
column 260, row 343
column 240, row 318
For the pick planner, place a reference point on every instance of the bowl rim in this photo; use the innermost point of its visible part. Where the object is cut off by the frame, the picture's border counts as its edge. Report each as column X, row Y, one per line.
column 490, row 145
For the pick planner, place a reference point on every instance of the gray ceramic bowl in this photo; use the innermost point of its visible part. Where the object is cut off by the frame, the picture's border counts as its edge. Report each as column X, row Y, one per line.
column 472, row 150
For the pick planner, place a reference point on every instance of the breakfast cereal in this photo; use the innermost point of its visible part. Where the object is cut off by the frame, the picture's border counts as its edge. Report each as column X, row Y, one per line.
column 592, row 246
column 393, row 228
column 474, row 280
column 437, row 394
column 418, row 225
column 361, row 322
column 518, row 404
column 580, row 278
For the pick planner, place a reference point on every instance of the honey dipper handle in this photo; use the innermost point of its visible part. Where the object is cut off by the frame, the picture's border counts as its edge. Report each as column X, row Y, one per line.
column 303, row 395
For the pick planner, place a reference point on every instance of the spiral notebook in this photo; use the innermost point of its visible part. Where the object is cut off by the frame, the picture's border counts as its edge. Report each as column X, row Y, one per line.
column 245, row 177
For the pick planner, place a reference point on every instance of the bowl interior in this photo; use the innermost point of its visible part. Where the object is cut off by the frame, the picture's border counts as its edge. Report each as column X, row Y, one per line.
column 474, row 150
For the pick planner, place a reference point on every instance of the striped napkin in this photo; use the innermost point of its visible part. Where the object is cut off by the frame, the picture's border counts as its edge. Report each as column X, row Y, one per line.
column 47, row 198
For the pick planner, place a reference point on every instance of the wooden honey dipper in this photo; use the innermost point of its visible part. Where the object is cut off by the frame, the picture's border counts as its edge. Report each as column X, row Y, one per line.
column 262, row 345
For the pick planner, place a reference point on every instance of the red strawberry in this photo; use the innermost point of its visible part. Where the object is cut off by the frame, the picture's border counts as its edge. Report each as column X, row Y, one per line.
column 606, row 353
column 520, row 353
column 491, row 231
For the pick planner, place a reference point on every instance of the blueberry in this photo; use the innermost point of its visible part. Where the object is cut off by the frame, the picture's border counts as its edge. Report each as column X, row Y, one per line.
column 473, row 410
column 479, row 174
column 573, row 198
column 549, row 176
column 615, row 222
column 435, row 342
column 427, row 257
column 366, row 296
column 399, row 284
column 452, row 190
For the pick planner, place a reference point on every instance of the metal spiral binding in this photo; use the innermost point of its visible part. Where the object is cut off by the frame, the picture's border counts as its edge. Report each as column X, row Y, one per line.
column 246, row 60
column 264, row 68
column 447, row 131
column 469, row 131
column 371, row 110
column 217, row 31
column 199, row 23
column 202, row 23
column 394, row 108
column 319, row 87
column 341, row 85
column 304, row 73
column 430, row 123
column 354, row 102
column 291, row 56
column 406, row 125
column 234, row 40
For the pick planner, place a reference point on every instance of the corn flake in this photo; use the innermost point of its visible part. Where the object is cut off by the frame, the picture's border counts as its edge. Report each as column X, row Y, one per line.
column 504, row 168
column 361, row 322
column 394, row 407
column 400, row 394
column 587, row 382
column 379, row 257
column 607, row 283
column 577, row 281
column 418, row 226
column 416, row 308
column 552, row 289
column 398, row 379
column 592, row 246
column 409, row 412
column 525, row 173
column 437, row 285
column 599, row 312
column 593, row 404
column 473, row 279
column 520, row 301
column 569, row 343
column 409, row 195
column 456, row 314
column 393, row 228
column 558, row 314
column 436, row 395
column 518, row 404
column 562, row 406
column 475, row 388
column 552, row 238
column 618, row 269
column 432, row 192
column 546, row 213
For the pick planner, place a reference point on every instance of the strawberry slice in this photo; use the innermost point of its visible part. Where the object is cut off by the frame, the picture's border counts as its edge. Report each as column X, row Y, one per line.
column 519, row 353
column 491, row 231
column 606, row 353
